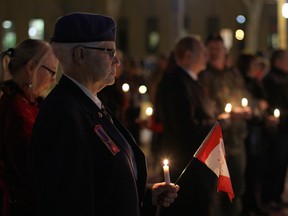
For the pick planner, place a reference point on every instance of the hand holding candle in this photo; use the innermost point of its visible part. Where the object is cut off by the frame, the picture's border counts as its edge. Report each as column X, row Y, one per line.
column 272, row 121
column 166, row 172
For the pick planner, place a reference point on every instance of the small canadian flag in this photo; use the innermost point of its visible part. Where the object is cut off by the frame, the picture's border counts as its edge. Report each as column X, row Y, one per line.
column 212, row 153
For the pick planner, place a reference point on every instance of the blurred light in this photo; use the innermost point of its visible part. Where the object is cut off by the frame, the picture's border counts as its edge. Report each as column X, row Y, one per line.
column 8, row 40
column 276, row 113
column 227, row 35
column 241, row 19
column 149, row 111
column 244, row 102
column 142, row 89
column 36, row 29
column 154, row 39
column 32, row 32
column 285, row 10
column 274, row 40
column 239, row 34
column 7, row 24
column 8, row 34
column 228, row 108
column 125, row 87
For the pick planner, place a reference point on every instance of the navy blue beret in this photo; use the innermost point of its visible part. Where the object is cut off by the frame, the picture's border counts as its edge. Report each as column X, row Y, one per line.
column 83, row 27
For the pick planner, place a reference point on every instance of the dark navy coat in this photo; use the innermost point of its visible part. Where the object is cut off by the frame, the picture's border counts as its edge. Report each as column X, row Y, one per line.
column 79, row 163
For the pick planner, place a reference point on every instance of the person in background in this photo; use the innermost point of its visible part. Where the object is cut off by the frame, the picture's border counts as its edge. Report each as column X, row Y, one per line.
column 33, row 67
column 250, row 68
column 154, row 125
column 82, row 160
column 133, row 76
column 187, row 116
column 156, row 76
column 276, row 147
column 224, row 84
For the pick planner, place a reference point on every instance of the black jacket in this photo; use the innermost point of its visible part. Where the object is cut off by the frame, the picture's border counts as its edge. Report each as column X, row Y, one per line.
column 79, row 163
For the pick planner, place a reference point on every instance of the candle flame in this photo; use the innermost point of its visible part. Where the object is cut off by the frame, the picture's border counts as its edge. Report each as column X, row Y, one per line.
column 276, row 113
column 165, row 162
column 244, row 102
column 125, row 87
column 149, row 111
column 228, row 108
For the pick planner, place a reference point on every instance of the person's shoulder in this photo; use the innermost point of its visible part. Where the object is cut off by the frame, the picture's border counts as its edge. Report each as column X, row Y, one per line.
column 14, row 103
column 234, row 72
column 170, row 78
column 18, row 103
column 206, row 74
column 270, row 76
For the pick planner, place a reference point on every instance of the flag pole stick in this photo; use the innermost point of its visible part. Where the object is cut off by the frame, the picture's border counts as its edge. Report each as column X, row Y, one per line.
column 217, row 122
column 184, row 170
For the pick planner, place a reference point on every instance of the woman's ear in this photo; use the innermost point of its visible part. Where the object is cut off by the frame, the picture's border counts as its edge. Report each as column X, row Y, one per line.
column 78, row 55
column 31, row 67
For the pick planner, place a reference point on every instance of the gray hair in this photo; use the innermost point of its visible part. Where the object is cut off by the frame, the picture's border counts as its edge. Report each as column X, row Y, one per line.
column 64, row 52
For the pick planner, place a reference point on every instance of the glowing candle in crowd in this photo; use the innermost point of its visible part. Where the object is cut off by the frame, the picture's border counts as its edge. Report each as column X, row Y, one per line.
column 149, row 111
column 166, row 172
column 244, row 102
column 228, row 108
column 276, row 113
column 142, row 89
column 125, row 87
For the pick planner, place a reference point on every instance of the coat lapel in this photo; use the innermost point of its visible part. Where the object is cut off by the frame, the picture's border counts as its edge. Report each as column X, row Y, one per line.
column 115, row 132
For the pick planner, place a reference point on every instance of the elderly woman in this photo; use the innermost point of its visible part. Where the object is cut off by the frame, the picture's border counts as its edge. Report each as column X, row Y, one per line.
column 32, row 67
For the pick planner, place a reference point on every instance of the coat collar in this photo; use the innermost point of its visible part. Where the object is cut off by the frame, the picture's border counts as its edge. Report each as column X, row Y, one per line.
column 98, row 118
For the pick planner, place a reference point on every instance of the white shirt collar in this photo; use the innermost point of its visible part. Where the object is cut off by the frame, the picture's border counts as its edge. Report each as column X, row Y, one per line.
column 94, row 98
column 193, row 75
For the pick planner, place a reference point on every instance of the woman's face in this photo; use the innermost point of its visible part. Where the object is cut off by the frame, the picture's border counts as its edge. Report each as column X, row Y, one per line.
column 46, row 74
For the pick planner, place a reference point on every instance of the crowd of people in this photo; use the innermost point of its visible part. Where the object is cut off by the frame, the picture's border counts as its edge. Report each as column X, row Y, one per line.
column 69, row 154
column 78, row 151
column 193, row 93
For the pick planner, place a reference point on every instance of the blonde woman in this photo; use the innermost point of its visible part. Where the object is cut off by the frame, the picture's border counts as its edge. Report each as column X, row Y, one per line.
column 32, row 67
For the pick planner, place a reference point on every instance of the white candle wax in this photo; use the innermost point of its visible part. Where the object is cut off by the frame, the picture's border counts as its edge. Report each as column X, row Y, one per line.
column 166, row 172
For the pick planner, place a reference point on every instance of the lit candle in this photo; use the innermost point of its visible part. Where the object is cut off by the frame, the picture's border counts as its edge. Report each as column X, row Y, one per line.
column 228, row 108
column 125, row 87
column 166, row 172
column 276, row 113
column 142, row 89
column 149, row 111
column 244, row 102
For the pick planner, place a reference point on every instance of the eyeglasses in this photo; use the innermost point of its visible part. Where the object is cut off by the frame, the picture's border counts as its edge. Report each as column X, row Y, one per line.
column 111, row 52
column 51, row 72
